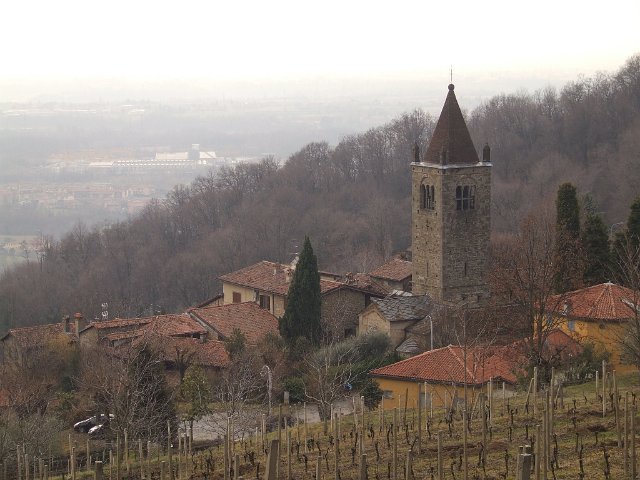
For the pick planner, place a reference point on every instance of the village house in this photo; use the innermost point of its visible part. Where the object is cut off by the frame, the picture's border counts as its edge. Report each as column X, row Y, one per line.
column 443, row 373
column 18, row 345
column 120, row 331
column 395, row 315
column 394, row 274
column 598, row 315
column 247, row 317
column 267, row 284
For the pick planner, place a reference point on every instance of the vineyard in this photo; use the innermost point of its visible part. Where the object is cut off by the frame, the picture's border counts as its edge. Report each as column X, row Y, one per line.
column 581, row 432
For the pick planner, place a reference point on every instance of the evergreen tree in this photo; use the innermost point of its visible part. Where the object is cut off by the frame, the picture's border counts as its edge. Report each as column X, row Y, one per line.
column 595, row 241
column 633, row 223
column 629, row 239
column 302, row 315
column 569, row 271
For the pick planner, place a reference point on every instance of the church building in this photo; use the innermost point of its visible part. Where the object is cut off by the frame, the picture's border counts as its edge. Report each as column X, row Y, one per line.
column 451, row 213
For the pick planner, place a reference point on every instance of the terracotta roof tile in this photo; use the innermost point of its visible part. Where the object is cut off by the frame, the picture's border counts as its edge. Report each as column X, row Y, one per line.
column 395, row 269
column 447, row 365
column 452, row 136
column 119, row 323
column 254, row 322
column 270, row 277
column 606, row 301
column 174, row 326
column 207, row 354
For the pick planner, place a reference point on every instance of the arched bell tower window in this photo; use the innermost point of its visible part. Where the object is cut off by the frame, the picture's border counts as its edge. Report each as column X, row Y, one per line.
column 465, row 197
column 427, row 197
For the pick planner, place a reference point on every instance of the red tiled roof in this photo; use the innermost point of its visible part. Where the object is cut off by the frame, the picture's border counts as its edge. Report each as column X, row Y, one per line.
column 206, row 354
column 395, row 269
column 254, row 322
column 606, row 301
column 446, row 365
column 270, row 277
column 120, row 323
column 174, row 326
column 452, row 136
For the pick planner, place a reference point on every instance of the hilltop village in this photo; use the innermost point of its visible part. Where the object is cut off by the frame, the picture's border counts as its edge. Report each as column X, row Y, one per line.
column 455, row 311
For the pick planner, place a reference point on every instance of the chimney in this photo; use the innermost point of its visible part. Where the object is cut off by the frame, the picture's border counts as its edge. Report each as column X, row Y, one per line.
column 80, row 323
column 486, row 153
column 65, row 324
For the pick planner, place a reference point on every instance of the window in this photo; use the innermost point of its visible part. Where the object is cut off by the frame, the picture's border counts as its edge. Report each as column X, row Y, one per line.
column 265, row 302
column 387, row 394
column 237, row 297
column 465, row 197
column 465, row 269
column 572, row 325
column 427, row 197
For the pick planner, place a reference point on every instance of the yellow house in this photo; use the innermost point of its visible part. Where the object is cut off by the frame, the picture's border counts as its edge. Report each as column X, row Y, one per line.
column 443, row 374
column 598, row 315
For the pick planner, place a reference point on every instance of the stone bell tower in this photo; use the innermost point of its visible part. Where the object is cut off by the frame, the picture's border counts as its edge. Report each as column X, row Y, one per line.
column 451, row 213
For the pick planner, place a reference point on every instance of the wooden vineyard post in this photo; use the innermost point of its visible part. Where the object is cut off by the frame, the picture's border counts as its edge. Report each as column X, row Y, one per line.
column 545, row 458
column 616, row 409
column 440, row 470
column 420, row 416
column 149, row 459
column 226, row 457
column 337, row 442
column 304, row 410
column 319, row 468
column 73, row 464
column 465, row 464
column 394, row 461
column 407, row 467
column 98, row 469
column 633, row 442
column 162, row 468
column 363, row 467
column 140, row 458
column 169, row 450
column 180, row 440
column 524, row 463
column 88, row 463
column 597, row 388
column 504, row 400
column 535, row 390
column 288, row 454
column 604, row 388
column 126, row 451
column 625, row 450
column 236, row 467
column 536, row 467
column 272, row 461
column 264, row 431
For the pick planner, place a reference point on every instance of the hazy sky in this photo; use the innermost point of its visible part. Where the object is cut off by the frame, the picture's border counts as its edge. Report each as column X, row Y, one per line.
column 281, row 39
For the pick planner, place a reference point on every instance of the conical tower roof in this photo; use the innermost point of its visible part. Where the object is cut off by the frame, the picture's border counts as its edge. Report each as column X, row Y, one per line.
column 451, row 142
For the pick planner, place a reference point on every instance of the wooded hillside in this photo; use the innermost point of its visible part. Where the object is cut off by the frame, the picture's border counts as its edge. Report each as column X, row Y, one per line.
column 352, row 200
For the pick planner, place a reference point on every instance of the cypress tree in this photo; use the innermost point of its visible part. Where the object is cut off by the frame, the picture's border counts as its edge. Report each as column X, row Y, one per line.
column 568, row 275
column 595, row 241
column 633, row 223
column 630, row 238
column 302, row 314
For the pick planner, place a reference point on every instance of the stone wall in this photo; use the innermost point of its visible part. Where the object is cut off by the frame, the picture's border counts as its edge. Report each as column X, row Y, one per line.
column 450, row 246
